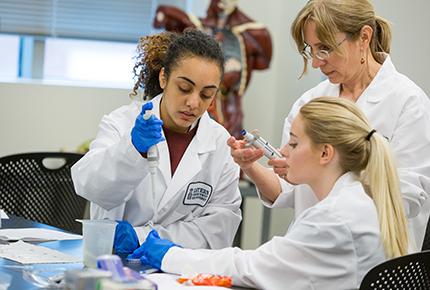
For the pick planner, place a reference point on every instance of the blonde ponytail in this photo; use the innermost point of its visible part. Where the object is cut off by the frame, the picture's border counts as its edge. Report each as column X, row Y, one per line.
column 383, row 181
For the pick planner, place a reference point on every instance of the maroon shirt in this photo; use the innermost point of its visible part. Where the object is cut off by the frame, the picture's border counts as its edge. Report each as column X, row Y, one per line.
column 177, row 143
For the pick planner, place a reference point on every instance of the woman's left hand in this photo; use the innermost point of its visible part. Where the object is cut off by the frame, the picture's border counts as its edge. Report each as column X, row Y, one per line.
column 153, row 250
column 244, row 157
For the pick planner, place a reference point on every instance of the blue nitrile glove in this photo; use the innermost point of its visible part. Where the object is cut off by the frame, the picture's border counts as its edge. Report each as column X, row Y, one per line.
column 138, row 254
column 125, row 240
column 153, row 249
column 146, row 133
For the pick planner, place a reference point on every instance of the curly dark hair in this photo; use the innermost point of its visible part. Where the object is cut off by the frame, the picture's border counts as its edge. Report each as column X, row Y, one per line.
column 167, row 50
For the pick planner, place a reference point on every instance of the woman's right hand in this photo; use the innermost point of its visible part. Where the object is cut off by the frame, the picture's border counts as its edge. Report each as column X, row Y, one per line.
column 279, row 166
column 146, row 133
column 244, row 157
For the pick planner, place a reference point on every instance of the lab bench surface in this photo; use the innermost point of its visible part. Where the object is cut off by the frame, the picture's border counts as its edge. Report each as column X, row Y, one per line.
column 72, row 247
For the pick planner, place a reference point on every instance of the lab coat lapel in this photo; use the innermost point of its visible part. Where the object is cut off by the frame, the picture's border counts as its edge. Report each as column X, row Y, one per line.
column 381, row 84
column 192, row 161
column 374, row 103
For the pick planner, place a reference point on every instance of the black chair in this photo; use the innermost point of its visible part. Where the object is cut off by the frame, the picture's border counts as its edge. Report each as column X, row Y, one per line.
column 39, row 187
column 426, row 240
column 406, row 272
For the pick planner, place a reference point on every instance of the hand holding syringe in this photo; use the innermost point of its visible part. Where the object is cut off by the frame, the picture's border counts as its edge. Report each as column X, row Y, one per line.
column 255, row 140
column 270, row 152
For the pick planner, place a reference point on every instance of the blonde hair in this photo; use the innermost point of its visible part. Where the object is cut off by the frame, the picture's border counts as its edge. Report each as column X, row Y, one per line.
column 347, row 16
column 341, row 123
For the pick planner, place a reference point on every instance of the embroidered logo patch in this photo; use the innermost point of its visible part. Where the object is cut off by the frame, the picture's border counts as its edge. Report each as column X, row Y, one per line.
column 198, row 193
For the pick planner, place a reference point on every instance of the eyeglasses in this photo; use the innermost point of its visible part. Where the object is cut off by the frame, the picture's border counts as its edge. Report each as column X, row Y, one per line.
column 320, row 54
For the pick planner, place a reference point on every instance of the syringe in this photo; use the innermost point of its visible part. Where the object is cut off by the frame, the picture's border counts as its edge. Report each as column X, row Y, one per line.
column 255, row 140
column 151, row 155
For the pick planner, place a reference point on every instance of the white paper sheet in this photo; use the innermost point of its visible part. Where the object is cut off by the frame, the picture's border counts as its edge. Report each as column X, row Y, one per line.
column 26, row 253
column 3, row 214
column 35, row 235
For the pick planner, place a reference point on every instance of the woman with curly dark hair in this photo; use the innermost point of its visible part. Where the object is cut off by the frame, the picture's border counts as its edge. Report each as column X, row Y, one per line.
column 196, row 197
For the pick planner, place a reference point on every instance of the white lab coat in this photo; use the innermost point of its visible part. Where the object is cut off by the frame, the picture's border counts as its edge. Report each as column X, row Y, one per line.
column 400, row 111
column 331, row 245
column 198, row 207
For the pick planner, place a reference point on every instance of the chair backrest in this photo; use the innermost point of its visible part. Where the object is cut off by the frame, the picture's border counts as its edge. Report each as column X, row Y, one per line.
column 39, row 187
column 406, row 272
column 426, row 240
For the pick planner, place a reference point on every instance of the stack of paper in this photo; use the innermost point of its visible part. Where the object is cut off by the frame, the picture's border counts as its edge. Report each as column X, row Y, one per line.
column 34, row 235
column 25, row 253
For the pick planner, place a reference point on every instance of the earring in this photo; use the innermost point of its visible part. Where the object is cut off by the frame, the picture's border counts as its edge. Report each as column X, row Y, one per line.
column 362, row 61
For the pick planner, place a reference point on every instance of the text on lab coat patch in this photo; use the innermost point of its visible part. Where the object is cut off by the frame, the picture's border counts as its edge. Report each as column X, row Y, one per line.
column 198, row 193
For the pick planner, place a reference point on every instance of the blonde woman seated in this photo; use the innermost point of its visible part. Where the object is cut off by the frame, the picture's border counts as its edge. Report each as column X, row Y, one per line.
column 333, row 244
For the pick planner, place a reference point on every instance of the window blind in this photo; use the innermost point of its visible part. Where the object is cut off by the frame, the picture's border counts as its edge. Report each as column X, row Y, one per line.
column 112, row 20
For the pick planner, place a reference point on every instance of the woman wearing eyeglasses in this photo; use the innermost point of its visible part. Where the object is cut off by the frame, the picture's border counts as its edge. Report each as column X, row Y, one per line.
column 350, row 45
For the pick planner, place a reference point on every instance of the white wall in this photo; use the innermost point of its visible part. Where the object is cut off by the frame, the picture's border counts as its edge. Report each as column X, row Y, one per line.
column 37, row 117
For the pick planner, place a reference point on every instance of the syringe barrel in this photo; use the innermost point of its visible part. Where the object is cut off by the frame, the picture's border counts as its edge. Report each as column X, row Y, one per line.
column 258, row 142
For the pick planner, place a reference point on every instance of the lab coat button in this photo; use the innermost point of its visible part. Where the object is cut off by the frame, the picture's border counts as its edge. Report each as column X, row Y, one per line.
column 162, row 211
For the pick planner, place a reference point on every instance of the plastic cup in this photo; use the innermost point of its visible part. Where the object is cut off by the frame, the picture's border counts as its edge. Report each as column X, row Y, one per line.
column 98, row 239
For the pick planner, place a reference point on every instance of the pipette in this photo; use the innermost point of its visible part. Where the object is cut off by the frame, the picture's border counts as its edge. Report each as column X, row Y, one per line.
column 255, row 140
column 151, row 155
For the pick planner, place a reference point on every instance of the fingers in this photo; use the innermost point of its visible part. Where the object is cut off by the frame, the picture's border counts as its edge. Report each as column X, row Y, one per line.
column 144, row 260
column 231, row 142
column 137, row 253
column 279, row 166
column 153, row 234
column 246, row 157
column 235, row 144
column 150, row 128
column 156, row 135
column 154, row 121
column 147, row 106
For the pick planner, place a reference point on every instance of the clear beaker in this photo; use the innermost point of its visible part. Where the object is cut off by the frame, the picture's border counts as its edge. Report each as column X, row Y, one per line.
column 98, row 239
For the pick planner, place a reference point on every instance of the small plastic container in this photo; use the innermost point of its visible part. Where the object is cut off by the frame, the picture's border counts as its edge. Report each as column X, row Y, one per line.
column 98, row 240
column 122, row 277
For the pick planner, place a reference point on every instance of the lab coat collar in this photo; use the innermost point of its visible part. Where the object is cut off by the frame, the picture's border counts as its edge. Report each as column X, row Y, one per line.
column 379, row 86
column 205, row 137
column 382, row 82
column 343, row 181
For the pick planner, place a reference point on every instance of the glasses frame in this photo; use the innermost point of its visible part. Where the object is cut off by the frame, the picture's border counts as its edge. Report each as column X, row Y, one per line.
column 320, row 54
